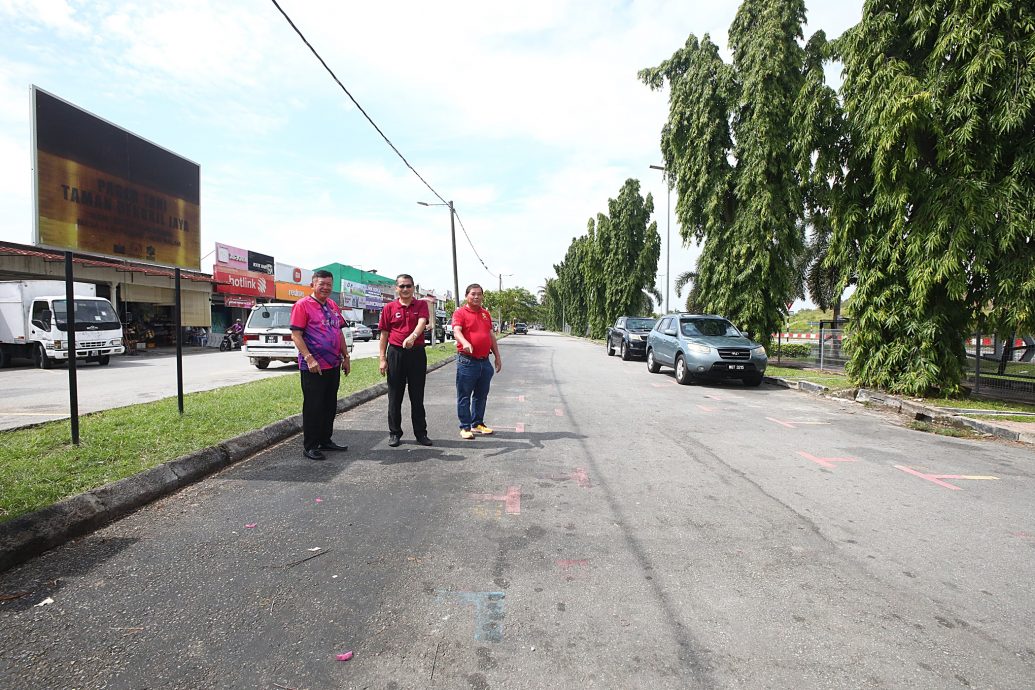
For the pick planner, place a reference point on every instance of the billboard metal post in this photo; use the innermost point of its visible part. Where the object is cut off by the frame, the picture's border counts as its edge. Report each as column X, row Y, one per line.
column 73, row 388
column 179, row 344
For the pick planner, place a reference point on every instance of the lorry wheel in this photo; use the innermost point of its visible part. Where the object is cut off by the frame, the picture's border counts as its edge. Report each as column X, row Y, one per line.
column 103, row 360
column 40, row 359
column 261, row 363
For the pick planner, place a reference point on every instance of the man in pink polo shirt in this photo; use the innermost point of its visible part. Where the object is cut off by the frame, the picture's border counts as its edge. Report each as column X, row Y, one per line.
column 404, row 360
column 472, row 328
column 316, row 323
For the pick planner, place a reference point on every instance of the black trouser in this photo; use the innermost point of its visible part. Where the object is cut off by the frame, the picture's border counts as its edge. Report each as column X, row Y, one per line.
column 407, row 368
column 319, row 406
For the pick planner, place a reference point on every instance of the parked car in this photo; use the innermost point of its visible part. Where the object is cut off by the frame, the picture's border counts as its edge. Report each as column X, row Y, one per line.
column 629, row 336
column 267, row 335
column 704, row 346
column 361, row 331
column 520, row 328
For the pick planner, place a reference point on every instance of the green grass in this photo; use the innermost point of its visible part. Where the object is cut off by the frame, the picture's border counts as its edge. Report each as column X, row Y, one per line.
column 941, row 430
column 39, row 465
column 1004, row 417
column 824, row 378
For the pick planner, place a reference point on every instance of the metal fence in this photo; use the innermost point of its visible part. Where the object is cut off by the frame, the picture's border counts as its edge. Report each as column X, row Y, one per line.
column 1002, row 367
column 826, row 349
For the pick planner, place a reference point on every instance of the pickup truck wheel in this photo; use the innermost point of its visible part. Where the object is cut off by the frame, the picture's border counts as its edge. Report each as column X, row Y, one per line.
column 652, row 366
column 624, row 352
column 40, row 359
column 610, row 347
column 261, row 363
column 103, row 360
column 683, row 376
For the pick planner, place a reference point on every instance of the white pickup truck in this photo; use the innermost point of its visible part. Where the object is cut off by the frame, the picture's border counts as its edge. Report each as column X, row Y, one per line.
column 34, row 323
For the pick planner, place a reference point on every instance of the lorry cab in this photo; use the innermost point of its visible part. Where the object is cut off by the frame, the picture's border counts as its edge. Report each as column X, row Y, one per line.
column 34, row 323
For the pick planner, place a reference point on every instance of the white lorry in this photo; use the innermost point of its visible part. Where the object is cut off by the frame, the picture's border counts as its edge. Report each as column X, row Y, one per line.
column 34, row 324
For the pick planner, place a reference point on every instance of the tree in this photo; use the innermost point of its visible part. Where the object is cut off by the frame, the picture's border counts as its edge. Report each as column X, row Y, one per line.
column 935, row 215
column 727, row 144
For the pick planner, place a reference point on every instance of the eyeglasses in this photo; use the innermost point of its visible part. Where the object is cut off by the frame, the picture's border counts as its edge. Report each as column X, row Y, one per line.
column 408, row 286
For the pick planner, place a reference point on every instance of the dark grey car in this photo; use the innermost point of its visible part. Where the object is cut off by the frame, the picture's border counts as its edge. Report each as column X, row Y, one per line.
column 704, row 346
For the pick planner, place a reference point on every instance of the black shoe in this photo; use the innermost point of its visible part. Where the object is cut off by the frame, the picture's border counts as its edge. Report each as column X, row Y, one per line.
column 394, row 440
column 331, row 445
column 424, row 440
column 313, row 454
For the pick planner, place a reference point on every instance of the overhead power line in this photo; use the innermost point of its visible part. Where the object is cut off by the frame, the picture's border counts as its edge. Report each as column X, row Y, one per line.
column 374, row 125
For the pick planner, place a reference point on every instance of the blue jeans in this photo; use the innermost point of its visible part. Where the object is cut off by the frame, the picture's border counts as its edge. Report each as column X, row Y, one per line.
column 473, row 377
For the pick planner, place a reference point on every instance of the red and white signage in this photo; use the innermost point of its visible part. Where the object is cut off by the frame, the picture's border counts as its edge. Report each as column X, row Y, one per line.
column 234, row 282
column 239, row 302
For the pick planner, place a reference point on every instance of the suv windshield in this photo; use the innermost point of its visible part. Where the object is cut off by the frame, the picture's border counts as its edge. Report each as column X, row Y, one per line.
column 708, row 327
column 90, row 315
column 271, row 316
column 639, row 324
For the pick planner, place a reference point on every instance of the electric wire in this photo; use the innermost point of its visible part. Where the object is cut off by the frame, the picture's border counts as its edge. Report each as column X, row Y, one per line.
column 383, row 136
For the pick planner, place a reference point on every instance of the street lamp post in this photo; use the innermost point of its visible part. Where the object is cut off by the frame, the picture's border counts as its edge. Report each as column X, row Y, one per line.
column 668, row 229
column 452, row 236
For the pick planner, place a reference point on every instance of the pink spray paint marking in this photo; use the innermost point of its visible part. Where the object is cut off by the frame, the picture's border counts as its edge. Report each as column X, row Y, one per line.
column 937, row 478
column 704, row 408
column 569, row 563
column 825, row 462
column 580, row 476
column 511, row 500
column 518, row 427
column 786, row 424
column 558, row 412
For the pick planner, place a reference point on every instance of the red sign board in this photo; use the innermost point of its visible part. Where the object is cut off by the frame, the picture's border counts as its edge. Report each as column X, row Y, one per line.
column 234, row 282
column 239, row 302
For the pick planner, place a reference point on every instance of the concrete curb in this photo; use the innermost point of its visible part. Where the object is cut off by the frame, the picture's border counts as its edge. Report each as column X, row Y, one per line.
column 36, row 532
column 908, row 407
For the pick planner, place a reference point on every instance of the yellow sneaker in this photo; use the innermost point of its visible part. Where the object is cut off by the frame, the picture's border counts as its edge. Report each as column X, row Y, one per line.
column 466, row 434
column 482, row 429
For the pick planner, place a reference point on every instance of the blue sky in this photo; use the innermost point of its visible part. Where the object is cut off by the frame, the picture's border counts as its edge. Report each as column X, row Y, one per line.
column 527, row 115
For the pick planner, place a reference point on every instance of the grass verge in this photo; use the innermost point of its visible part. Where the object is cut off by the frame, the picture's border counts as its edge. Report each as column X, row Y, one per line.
column 40, row 466
column 941, row 430
column 830, row 379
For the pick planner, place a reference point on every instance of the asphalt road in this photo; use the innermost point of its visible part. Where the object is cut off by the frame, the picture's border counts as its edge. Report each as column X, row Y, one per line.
column 620, row 531
column 40, row 395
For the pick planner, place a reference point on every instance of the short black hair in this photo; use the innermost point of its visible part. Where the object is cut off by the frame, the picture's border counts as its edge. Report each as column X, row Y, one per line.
column 407, row 276
column 472, row 286
column 322, row 273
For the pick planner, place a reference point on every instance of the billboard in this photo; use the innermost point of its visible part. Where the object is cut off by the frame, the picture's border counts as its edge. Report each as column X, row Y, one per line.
column 353, row 295
column 286, row 273
column 260, row 263
column 234, row 257
column 103, row 190
column 291, row 292
column 235, row 282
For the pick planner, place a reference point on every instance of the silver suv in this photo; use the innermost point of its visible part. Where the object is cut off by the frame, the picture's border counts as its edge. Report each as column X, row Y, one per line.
column 704, row 346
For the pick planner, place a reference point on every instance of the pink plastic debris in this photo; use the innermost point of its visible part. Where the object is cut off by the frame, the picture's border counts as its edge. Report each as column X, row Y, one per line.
column 319, row 500
column 251, row 525
column 345, row 657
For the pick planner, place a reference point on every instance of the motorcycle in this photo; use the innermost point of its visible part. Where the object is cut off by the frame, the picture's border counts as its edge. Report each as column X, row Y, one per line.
column 230, row 341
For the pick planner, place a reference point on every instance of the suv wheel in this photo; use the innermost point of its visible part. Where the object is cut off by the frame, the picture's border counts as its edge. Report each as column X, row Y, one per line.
column 683, row 376
column 652, row 366
column 610, row 348
column 624, row 352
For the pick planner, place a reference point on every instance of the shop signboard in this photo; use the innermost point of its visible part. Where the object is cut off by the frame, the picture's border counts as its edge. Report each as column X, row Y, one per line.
column 291, row 292
column 260, row 263
column 234, row 257
column 374, row 300
column 101, row 189
column 286, row 273
column 234, row 282
column 353, row 295
column 239, row 302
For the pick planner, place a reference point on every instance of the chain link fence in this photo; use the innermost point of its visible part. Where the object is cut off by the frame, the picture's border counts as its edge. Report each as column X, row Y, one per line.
column 1002, row 367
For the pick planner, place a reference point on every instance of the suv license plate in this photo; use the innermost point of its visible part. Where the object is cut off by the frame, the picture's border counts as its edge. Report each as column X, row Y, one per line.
column 272, row 338
column 737, row 367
